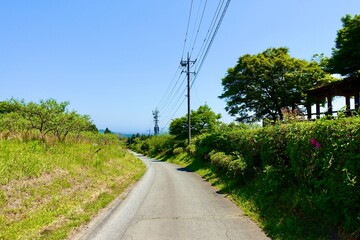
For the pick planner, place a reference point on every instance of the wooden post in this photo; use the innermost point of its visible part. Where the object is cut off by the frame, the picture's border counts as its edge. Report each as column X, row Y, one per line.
column 347, row 102
column 317, row 109
column 308, row 109
column 329, row 103
column 356, row 100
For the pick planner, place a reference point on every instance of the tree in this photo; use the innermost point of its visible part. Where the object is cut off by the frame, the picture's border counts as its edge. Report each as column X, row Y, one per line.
column 202, row 120
column 259, row 86
column 345, row 58
column 47, row 116
column 44, row 115
column 107, row 131
column 71, row 122
column 9, row 106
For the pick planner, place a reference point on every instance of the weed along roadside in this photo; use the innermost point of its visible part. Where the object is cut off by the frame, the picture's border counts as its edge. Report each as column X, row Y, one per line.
column 297, row 180
column 48, row 191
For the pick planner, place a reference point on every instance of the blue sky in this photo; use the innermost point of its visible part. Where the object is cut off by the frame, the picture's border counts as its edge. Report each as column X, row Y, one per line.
column 115, row 60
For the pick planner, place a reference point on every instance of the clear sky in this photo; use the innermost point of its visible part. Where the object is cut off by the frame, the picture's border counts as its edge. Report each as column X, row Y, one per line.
column 116, row 60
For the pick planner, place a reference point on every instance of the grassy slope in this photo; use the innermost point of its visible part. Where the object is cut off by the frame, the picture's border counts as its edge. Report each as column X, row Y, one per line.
column 47, row 192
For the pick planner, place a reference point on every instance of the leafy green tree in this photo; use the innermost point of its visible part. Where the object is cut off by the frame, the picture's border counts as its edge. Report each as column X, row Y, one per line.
column 43, row 116
column 107, row 131
column 9, row 106
column 345, row 58
column 71, row 123
column 47, row 116
column 202, row 120
column 259, row 86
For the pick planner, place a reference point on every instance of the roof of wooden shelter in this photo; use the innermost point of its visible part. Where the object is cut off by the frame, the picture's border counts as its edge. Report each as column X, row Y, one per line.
column 346, row 87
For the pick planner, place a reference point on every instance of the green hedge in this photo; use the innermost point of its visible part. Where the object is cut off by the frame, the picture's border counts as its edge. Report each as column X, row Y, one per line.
column 317, row 162
column 155, row 145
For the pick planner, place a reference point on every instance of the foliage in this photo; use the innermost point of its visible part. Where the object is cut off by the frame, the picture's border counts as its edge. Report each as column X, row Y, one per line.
column 154, row 145
column 107, row 131
column 136, row 137
column 178, row 150
column 236, row 169
column 346, row 54
column 202, row 120
column 45, row 117
column 220, row 160
column 291, row 177
column 49, row 186
column 318, row 161
column 259, row 86
column 292, row 115
column 47, row 191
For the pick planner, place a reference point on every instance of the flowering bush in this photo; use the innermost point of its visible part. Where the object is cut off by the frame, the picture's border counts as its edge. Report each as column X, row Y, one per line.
column 315, row 143
column 319, row 161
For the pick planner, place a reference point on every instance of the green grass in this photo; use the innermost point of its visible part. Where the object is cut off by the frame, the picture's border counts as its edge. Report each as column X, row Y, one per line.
column 46, row 192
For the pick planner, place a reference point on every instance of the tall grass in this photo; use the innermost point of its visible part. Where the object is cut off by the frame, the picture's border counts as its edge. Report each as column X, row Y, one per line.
column 48, row 189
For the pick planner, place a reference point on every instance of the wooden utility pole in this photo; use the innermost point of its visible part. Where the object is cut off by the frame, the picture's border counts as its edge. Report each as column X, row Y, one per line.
column 187, row 65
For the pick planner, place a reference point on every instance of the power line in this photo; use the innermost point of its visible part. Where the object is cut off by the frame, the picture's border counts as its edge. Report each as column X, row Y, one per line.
column 175, row 96
column 187, row 28
column 211, row 26
column 168, row 94
column 171, row 101
column 212, row 39
column 202, row 60
column 175, row 106
column 172, row 116
column 198, row 29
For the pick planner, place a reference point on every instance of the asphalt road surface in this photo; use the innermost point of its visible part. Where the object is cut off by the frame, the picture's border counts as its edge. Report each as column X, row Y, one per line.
column 172, row 203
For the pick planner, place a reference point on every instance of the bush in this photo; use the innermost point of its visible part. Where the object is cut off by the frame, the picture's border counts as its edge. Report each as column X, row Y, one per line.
column 145, row 146
column 161, row 144
column 319, row 161
column 178, row 150
column 236, row 169
column 154, row 145
column 220, row 161
column 191, row 150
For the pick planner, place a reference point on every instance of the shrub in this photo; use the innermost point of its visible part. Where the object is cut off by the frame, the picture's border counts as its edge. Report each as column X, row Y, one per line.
column 220, row 161
column 319, row 161
column 236, row 169
column 178, row 150
column 145, row 146
column 191, row 150
column 161, row 144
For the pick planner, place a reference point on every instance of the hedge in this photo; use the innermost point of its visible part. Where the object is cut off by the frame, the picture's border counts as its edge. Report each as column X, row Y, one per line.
column 319, row 162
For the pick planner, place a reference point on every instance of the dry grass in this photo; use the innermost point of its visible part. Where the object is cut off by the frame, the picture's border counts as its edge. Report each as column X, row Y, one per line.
column 72, row 183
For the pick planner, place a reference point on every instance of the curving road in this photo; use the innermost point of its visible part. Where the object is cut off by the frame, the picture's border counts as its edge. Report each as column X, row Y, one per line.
column 171, row 203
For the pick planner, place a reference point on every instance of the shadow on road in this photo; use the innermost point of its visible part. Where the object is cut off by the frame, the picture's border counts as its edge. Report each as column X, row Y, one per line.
column 184, row 169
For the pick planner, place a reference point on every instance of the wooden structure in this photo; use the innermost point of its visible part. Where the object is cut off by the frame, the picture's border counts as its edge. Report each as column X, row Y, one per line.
column 348, row 87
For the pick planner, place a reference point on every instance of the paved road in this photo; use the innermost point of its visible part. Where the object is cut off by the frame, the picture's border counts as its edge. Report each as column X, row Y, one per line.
column 171, row 203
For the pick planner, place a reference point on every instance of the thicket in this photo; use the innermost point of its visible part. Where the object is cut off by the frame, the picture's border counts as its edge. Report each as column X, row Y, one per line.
column 302, row 176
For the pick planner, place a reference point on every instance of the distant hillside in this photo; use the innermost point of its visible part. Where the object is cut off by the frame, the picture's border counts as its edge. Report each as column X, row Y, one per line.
column 121, row 134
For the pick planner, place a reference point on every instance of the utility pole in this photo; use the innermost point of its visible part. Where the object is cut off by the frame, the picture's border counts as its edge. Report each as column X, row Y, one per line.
column 156, row 120
column 187, row 65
